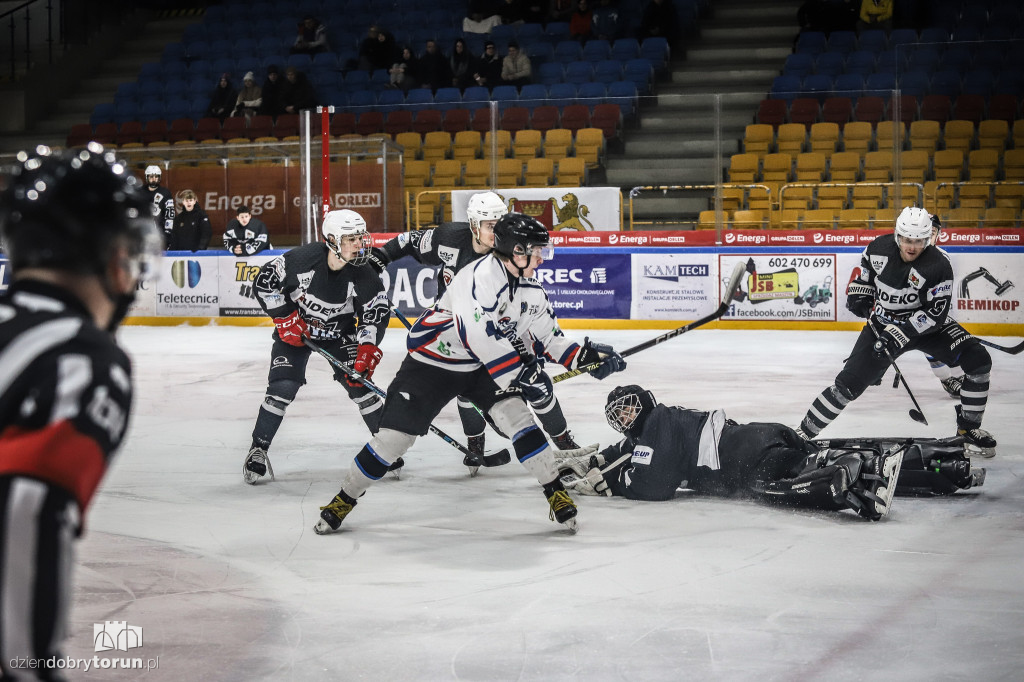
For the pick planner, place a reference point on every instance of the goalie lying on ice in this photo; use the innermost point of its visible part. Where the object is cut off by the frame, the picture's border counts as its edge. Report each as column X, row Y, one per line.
column 666, row 448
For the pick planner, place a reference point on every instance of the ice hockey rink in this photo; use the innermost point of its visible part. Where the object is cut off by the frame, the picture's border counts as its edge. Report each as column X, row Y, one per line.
column 439, row 576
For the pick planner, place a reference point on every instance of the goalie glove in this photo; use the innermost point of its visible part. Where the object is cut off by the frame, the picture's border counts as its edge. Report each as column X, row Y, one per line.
column 292, row 329
column 610, row 360
column 585, row 477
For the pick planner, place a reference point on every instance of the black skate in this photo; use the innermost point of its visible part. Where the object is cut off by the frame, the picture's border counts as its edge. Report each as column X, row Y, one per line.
column 977, row 441
column 475, row 444
column 952, row 386
column 256, row 466
column 563, row 509
column 334, row 513
column 396, row 468
column 871, row 495
column 565, row 441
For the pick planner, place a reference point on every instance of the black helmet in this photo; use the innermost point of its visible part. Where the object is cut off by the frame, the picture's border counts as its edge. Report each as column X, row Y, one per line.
column 514, row 233
column 68, row 210
column 628, row 407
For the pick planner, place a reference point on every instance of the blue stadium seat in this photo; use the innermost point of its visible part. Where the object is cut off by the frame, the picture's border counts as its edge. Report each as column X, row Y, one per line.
column 923, row 57
column 945, row 83
column 529, row 34
column 447, row 98
column 419, row 99
column 842, row 41
column 556, row 31
column 640, row 73
column 597, row 50
column 848, row 85
column 150, row 70
column 568, row 51
column 818, row 85
column 933, row 34
column 505, row 95
column 625, row 49
column 902, row 36
column 591, row 94
column 357, row 80
column 830, row 63
column 916, row 83
column 579, row 72
column 608, row 71
column 533, row 95
column 872, row 40
column 561, row 94
column 390, row 100
column 551, row 73
column 540, row 53
column 861, row 62
column 656, row 50
column 979, row 82
column 362, row 98
column 956, row 58
column 880, row 85
column 128, row 91
column 798, row 64
column 814, row 42
column 786, row 87
column 475, row 97
column 623, row 93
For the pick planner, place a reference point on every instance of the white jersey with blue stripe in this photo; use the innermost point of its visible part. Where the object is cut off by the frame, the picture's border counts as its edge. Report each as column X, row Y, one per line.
column 491, row 318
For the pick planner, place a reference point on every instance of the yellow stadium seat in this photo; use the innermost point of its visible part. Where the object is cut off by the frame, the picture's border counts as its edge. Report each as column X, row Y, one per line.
column 924, row 135
column 824, row 138
column 948, row 165
column 982, row 165
column 733, row 198
column 819, row 219
column 447, row 173
column 510, row 172
column 477, row 173
column 854, row 219
column 810, row 167
column 758, row 138
column 1013, row 164
column 961, row 218
column 527, row 144
column 831, row 198
column 793, row 197
column 466, row 145
column 885, row 135
column 1018, row 134
column 790, row 219
column 790, row 138
column 1007, row 195
column 878, row 166
column 743, row 168
column 416, row 173
column 572, row 172
column 540, row 172
column 411, row 143
column 867, row 196
column 589, row 145
column 885, row 219
column 939, row 196
column 557, row 143
column 992, row 134
column 437, row 145
column 778, row 167
column 844, row 167
column 706, row 219
column 1000, row 217
column 958, row 134
column 857, row 136
column 974, row 195
column 504, row 143
column 748, row 220
column 914, row 165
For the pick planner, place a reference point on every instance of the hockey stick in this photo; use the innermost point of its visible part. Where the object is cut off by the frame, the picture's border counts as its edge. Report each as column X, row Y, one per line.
column 1012, row 350
column 915, row 414
column 492, row 460
column 731, row 288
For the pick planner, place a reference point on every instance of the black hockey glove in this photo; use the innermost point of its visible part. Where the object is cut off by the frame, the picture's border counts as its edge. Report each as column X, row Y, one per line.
column 892, row 337
column 534, row 382
column 378, row 260
column 610, row 360
column 860, row 299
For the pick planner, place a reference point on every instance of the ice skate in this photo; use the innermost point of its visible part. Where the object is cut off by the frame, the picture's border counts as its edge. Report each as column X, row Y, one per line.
column 334, row 513
column 977, row 441
column 396, row 468
column 563, row 509
column 256, row 466
column 475, row 444
column 565, row 441
column 872, row 495
column 952, row 386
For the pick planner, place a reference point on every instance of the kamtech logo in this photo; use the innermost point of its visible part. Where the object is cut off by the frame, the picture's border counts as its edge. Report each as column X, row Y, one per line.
column 676, row 272
column 116, row 635
column 186, row 273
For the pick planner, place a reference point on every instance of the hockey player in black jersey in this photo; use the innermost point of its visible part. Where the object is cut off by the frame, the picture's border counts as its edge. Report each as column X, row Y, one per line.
column 325, row 292
column 666, row 448
column 78, row 230
column 162, row 199
column 453, row 246
column 904, row 290
column 246, row 235
column 464, row 345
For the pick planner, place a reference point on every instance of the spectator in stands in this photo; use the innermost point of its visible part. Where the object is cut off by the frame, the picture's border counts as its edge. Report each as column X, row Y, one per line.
column 245, row 235
column 606, row 21
column 377, row 51
column 223, row 98
column 476, row 22
column 561, row 10
column 191, row 231
column 660, row 19
column 435, row 72
column 875, row 14
column 297, row 92
column 250, row 97
column 271, row 92
column 516, row 69
column 511, row 11
column 461, row 64
column 404, row 73
column 488, row 67
column 581, row 22
column 311, row 38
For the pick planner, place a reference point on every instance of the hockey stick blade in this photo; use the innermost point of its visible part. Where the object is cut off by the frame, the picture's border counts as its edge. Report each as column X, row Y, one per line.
column 1012, row 350
column 494, row 460
column 734, row 283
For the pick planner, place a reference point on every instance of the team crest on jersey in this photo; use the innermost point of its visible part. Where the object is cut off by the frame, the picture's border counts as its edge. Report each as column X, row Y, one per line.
column 642, row 455
column 403, row 239
column 304, row 279
column 878, row 263
column 914, row 279
column 425, row 241
column 447, row 274
column 448, row 255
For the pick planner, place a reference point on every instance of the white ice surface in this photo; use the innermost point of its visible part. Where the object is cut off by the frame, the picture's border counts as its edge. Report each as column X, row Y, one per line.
column 442, row 577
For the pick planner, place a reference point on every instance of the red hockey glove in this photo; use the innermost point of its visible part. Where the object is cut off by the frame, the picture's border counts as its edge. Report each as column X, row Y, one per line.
column 367, row 360
column 291, row 329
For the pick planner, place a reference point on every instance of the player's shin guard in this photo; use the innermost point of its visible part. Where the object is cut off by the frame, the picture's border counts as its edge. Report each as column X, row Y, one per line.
column 270, row 417
column 824, row 410
column 534, row 453
column 553, row 420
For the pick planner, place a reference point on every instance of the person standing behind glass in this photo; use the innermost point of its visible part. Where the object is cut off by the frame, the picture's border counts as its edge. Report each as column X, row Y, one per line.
column 245, row 235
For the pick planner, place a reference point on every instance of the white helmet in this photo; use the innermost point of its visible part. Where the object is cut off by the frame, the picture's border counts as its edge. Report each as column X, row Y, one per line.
column 346, row 223
column 914, row 223
column 153, row 170
column 484, row 206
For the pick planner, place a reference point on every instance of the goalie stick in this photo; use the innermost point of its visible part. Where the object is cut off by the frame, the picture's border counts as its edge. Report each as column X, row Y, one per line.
column 488, row 460
column 730, row 291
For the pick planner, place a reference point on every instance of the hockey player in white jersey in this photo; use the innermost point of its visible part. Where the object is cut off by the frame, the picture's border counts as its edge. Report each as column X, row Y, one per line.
column 469, row 344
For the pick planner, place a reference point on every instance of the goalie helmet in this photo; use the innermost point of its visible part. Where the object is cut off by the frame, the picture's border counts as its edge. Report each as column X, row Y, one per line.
column 70, row 211
column 347, row 223
column 913, row 223
column 628, row 407
column 484, row 206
